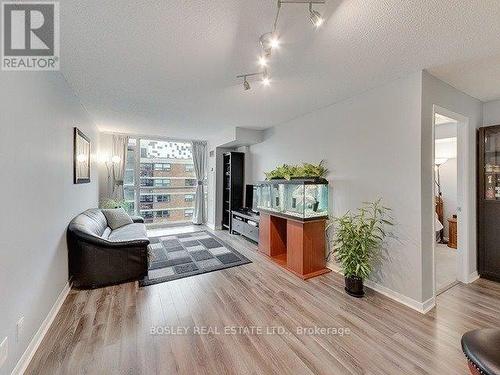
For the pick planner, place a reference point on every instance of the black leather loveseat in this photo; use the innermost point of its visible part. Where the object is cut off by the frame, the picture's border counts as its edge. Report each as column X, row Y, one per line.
column 99, row 256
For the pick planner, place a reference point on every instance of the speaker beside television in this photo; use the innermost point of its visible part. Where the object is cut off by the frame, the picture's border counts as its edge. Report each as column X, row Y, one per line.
column 250, row 196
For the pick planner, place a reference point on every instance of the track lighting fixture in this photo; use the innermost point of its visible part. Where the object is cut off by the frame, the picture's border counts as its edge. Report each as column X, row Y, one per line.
column 246, row 85
column 266, row 79
column 263, row 61
column 274, row 42
column 270, row 41
column 315, row 17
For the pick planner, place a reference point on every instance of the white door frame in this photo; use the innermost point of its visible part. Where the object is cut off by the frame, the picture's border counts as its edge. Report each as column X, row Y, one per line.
column 463, row 193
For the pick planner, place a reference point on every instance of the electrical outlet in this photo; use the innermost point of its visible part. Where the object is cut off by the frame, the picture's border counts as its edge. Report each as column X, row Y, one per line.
column 19, row 326
column 4, row 351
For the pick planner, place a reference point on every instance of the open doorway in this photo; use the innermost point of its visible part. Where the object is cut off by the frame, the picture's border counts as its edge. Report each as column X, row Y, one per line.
column 452, row 153
column 446, row 201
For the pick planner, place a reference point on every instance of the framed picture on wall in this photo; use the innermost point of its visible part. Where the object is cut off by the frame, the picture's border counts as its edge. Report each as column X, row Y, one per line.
column 81, row 157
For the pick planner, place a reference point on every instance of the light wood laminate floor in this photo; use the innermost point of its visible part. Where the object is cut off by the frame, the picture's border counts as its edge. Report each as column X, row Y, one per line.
column 108, row 331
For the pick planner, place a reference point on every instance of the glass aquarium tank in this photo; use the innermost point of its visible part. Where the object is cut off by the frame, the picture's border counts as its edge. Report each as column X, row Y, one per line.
column 304, row 199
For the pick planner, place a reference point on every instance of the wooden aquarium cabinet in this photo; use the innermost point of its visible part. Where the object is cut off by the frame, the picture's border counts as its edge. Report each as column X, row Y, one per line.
column 296, row 245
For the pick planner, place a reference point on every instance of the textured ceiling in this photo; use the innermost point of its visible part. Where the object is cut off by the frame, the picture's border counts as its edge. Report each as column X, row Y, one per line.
column 169, row 67
column 478, row 77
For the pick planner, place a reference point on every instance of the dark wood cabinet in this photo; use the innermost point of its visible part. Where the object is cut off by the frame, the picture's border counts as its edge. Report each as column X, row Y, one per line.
column 233, row 185
column 488, row 205
column 246, row 223
column 452, row 237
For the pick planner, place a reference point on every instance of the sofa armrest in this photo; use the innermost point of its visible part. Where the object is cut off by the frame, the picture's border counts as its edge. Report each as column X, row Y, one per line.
column 137, row 219
column 98, row 241
column 96, row 262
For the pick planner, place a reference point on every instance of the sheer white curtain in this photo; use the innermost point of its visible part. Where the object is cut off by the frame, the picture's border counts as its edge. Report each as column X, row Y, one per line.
column 119, row 159
column 200, row 165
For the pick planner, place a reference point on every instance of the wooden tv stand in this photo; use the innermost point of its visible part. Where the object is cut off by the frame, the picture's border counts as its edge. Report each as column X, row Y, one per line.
column 296, row 245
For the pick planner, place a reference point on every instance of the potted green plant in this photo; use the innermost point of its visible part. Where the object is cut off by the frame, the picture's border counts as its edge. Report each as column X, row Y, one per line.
column 356, row 243
column 116, row 203
column 311, row 170
column 280, row 172
column 306, row 170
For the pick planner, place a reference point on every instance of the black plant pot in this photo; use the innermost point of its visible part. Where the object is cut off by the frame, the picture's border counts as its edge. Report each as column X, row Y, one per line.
column 354, row 286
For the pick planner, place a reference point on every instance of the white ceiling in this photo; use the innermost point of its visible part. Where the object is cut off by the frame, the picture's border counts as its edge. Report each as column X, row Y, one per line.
column 479, row 77
column 169, row 67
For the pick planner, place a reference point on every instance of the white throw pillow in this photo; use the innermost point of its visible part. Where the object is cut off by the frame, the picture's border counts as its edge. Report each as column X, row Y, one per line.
column 117, row 217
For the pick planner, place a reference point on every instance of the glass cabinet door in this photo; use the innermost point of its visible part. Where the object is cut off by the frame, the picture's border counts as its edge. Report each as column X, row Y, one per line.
column 491, row 167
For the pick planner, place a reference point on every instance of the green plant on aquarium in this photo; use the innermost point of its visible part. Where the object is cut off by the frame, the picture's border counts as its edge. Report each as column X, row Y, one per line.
column 358, row 237
column 117, row 203
column 306, row 170
column 284, row 171
column 312, row 170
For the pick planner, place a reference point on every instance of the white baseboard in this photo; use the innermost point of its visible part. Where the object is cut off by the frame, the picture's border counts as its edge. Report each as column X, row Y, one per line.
column 421, row 307
column 428, row 305
column 473, row 277
column 30, row 351
column 210, row 225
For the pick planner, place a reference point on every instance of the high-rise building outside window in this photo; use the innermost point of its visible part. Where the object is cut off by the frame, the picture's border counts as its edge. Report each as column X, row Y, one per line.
column 161, row 181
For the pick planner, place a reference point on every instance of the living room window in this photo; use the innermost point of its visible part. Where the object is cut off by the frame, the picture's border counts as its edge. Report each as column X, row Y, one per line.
column 163, row 198
column 161, row 175
column 165, row 167
column 190, row 182
column 146, row 198
column 129, row 179
column 162, row 182
column 162, row 214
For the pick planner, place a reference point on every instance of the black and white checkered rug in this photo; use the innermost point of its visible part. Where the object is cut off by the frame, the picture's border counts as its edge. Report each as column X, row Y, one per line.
column 182, row 255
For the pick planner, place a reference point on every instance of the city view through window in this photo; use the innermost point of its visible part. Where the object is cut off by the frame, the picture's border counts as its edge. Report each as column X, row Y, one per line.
column 160, row 182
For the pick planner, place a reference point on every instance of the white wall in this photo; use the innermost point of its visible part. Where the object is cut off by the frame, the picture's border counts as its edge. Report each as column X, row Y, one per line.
column 371, row 144
column 446, row 147
column 491, row 113
column 37, row 114
column 438, row 93
column 448, row 173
